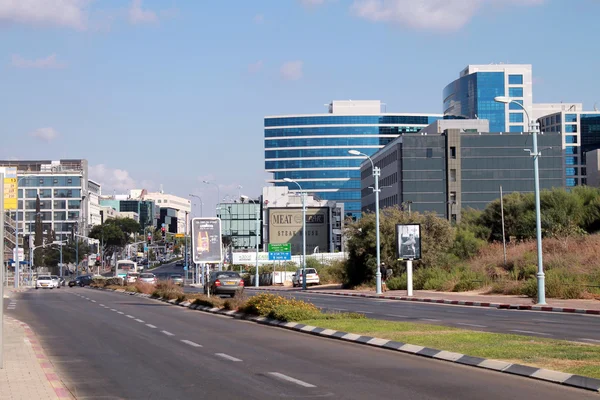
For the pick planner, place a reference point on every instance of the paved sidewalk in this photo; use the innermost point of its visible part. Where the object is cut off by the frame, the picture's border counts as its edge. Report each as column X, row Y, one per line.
column 27, row 372
column 463, row 298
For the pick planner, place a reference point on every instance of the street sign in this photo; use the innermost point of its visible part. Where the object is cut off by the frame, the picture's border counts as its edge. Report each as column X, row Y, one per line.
column 280, row 247
column 179, row 235
column 10, row 187
column 185, row 268
column 145, row 248
column 280, row 251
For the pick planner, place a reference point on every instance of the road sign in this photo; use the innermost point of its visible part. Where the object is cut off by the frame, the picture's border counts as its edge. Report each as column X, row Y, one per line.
column 280, row 247
column 10, row 187
column 179, row 235
column 185, row 268
column 280, row 251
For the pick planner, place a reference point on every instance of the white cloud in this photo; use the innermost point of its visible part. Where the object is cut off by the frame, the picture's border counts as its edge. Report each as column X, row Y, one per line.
column 259, row 18
column 50, row 62
column 139, row 16
column 112, row 179
column 255, row 67
column 65, row 13
column 292, row 70
column 46, row 134
column 437, row 15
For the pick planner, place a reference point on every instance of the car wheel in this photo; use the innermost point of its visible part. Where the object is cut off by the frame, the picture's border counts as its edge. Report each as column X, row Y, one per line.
column 36, row 288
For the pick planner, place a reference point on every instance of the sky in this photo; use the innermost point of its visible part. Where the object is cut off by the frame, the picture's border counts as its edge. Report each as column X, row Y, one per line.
column 174, row 92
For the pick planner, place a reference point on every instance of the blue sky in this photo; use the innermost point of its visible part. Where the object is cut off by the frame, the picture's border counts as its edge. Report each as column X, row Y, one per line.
column 173, row 92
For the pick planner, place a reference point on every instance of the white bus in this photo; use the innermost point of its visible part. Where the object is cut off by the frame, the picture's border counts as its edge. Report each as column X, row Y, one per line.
column 125, row 266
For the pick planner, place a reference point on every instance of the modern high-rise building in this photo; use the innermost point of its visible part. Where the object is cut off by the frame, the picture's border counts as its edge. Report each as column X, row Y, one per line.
column 312, row 149
column 471, row 96
column 181, row 205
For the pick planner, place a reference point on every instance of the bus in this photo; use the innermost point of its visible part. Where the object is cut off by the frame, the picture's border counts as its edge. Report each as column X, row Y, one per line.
column 125, row 266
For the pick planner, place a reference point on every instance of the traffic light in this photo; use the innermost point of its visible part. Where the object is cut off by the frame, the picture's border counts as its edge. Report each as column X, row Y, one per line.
column 164, row 233
column 149, row 238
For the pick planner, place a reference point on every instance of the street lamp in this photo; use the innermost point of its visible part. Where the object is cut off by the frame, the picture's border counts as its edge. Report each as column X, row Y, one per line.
column 218, row 193
column 303, row 194
column 201, row 203
column 533, row 126
column 376, row 174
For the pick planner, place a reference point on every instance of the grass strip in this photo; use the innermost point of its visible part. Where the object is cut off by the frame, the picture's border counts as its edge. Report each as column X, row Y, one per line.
column 559, row 355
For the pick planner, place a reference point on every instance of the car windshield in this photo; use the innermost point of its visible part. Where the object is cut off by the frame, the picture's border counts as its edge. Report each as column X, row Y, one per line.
column 44, row 278
column 311, row 271
column 54, row 276
column 147, row 276
column 227, row 274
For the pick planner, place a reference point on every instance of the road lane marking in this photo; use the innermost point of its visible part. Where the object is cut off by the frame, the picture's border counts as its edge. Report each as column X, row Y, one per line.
column 340, row 309
column 168, row 333
column 191, row 343
column 101, row 305
column 364, row 312
column 228, row 357
column 531, row 332
column 290, row 379
column 590, row 340
column 543, row 320
column 474, row 325
column 112, row 309
column 120, row 312
column 130, row 316
column 93, row 301
column 430, row 319
column 139, row 320
column 396, row 315
column 151, row 326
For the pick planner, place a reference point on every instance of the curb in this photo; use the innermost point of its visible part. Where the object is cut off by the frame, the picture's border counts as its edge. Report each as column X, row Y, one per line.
column 562, row 378
column 501, row 306
column 53, row 379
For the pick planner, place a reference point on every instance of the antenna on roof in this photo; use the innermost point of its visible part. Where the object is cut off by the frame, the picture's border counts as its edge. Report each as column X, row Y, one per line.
column 595, row 108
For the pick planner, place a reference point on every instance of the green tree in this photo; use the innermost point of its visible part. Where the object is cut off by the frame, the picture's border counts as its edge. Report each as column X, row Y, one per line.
column 38, row 254
column 437, row 237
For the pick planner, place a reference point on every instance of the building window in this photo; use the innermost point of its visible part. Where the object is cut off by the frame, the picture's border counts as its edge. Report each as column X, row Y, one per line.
column 31, row 193
column 60, row 204
column 571, row 182
column 45, row 193
column 570, row 160
column 452, row 197
column 515, row 92
column 515, row 79
column 452, row 175
column 513, row 106
column 452, row 152
column 571, row 128
column 571, row 171
column 515, row 117
column 571, row 139
column 429, row 153
column 570, row 117
column 571, row 150
column 516, row 128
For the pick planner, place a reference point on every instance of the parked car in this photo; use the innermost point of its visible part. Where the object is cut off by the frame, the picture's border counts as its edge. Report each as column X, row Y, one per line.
column 57, row 279
column 83, row 280
column 312, row 277
column 224, row 282
column 176, row 279
column 131, row 277
column 148, row 277
column 46, row 281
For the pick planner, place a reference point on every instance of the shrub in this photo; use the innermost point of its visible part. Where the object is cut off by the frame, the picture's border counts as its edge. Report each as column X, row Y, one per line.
column 560, row 284
column 289, row 312
column 466, row 244
column 206, row 301
column 167, row 290
column 143, row 287
column 265, row 303
column 237, row 302
column 397, row 282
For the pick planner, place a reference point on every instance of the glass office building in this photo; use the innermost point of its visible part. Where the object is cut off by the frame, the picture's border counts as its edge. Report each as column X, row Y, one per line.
column 313, row 149
column 471, row 96
column 240, row 224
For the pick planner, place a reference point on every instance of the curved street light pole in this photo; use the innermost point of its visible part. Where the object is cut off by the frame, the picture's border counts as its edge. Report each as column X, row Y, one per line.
column 218, row 193
column 376, row 174
column 533, row 127
column 201, row 203
column 303, row 194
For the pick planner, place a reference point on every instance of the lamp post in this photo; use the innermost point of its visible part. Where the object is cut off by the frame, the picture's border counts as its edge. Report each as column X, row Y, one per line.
column 303, row 194
column 17, row 261
column 218, row 193
column 201, row 204
column 533, row 127
column 376, row 174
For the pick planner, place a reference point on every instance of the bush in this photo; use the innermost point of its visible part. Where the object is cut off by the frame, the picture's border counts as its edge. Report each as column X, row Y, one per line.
column 236, row 303
column 167, row 290
column 289, row 312
column 397, row 282
column 466, row 244
column 560, row 284
column 265, row 303
column 203, row 300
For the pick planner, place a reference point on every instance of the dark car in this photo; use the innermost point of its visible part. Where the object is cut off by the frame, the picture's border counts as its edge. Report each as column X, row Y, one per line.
column 83, row 280
column 225, row 282
column 179, row 264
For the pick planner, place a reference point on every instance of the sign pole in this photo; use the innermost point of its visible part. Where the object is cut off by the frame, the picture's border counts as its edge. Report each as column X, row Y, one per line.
column 409, row 278
column 2, row 213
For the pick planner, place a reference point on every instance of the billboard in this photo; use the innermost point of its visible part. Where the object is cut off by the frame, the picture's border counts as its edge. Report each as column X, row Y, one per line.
column 206, row 240
column 408, row 241
column 10, row 187
column 285, row 226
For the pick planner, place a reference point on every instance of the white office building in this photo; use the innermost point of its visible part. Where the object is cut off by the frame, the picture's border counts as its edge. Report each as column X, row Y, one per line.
column 182, row 205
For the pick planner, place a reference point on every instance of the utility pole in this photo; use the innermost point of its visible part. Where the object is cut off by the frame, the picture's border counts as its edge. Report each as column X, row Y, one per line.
column 2, row 270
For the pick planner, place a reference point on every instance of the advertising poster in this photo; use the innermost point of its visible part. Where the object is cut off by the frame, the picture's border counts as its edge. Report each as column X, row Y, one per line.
column 285, row 226
column 408, row 239
column 10, row 187
column 206, row 240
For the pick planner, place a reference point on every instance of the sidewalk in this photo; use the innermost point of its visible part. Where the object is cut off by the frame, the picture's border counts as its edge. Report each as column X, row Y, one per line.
column 464, row 298
column 27, row 373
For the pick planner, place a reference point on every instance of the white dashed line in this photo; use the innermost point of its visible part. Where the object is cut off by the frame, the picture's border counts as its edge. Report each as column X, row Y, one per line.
column 396, row 315
column 139, row 320
column 191, row 343
column 430, row 319
column 112, row 309
column 167, row 333
column 473, row 325
column 531, row 332
column 290, row 379
column 364, row 312
column 151, row 326
column 101, row 305
column 130, row 316
column 120, row 312
column 93, row 301
column 228, row 357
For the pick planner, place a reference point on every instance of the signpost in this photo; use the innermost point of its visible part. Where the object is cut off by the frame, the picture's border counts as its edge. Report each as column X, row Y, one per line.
column 10, row 187
column 280, row 251
column 2, row 271
column 179, row 235
column 408, row 247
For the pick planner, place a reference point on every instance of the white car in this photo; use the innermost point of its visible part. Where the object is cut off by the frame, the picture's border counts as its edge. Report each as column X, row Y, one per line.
column 46, row 282
column 312, row 277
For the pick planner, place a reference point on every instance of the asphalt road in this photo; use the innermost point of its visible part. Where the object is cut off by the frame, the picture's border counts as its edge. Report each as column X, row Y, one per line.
column 111, row 346
column 574, row 327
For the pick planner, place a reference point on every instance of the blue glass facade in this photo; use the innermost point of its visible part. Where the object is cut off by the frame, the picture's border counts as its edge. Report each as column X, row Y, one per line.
column 314, row 150
column 473, row 95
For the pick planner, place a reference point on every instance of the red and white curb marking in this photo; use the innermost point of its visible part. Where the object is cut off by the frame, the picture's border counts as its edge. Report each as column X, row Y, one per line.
column 502, row 306
column 59, row 388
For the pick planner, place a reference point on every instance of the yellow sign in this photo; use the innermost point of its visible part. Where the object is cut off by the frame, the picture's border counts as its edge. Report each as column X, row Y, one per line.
column 10, row 188
column 179, row 235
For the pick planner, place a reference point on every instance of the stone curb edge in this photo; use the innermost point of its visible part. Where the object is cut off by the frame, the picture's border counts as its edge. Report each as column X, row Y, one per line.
column 52, row 377
column 504, row 306
column 576, row 381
